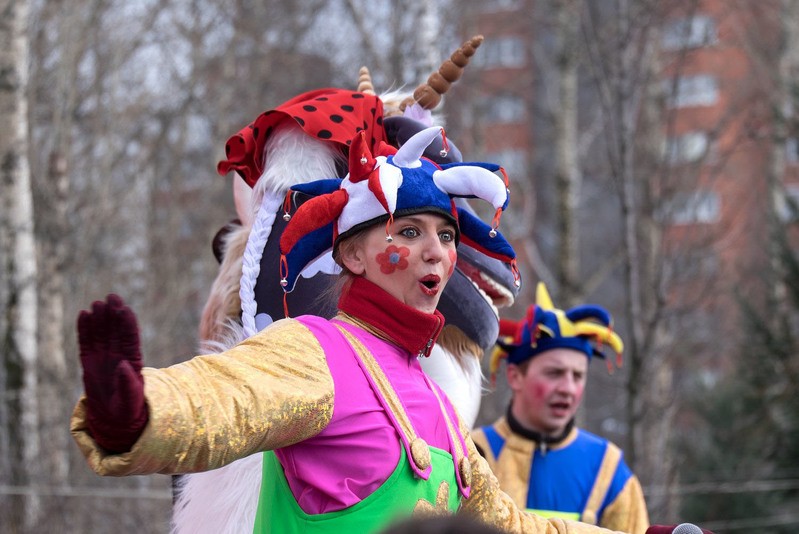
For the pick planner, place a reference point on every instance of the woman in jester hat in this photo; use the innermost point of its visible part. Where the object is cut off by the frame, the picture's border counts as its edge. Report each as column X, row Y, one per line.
column 285, row 150
column 354, row 435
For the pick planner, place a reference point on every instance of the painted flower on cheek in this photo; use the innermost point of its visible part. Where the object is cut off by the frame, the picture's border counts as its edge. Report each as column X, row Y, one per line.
column 393, row 258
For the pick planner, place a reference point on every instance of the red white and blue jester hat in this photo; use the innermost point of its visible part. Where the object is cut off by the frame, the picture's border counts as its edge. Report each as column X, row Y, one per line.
column 587, row 329
column 395, row 183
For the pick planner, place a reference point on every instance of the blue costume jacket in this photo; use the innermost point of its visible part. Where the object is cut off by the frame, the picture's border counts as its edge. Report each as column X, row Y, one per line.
column 581, row 476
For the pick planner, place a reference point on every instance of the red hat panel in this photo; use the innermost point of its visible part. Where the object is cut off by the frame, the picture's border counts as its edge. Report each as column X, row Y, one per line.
column 334, row 115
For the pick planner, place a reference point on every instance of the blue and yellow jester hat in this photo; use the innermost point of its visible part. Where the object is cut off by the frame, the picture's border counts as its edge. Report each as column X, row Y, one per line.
column 587, row 328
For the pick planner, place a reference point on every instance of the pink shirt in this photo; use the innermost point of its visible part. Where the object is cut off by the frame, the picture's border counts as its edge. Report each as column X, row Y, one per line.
column 360, row 448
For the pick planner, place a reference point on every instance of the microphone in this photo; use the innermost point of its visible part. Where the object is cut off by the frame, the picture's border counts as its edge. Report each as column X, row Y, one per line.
column 682, row 528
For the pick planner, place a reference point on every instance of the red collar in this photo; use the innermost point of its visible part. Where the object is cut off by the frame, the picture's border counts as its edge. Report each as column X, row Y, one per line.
column 407, row 327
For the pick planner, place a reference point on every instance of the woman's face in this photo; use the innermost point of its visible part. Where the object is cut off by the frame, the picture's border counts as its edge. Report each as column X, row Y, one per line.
column 415, row 266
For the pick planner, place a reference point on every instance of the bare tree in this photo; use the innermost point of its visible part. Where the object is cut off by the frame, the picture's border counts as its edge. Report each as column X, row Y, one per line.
column 61, row 23
column 568, row 175
column 621, row 45
column 18, row 337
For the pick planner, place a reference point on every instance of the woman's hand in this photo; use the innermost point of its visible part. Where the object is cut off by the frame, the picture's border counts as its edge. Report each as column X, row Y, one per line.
column 108, row 337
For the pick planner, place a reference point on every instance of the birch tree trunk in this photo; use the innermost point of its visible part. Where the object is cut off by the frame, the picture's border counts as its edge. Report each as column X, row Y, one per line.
column 567, row 174
column 52, row 365
column 18, row 338
column 51, row 186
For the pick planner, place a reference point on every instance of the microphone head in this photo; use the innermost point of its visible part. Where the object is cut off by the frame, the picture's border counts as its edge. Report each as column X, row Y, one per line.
column 686, row 528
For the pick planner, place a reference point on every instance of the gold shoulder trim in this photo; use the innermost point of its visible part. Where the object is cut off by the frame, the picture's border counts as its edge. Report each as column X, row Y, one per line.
column 602, row 483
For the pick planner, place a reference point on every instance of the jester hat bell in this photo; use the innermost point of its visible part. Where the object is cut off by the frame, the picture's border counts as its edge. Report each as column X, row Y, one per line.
column 393, row 183
column 587, row 329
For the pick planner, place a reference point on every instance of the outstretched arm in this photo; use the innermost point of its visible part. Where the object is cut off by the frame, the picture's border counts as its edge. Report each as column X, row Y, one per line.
column 108, row 337
column 272, row 390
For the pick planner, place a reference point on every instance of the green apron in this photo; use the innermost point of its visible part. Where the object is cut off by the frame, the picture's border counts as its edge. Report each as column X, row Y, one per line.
column 398, row 497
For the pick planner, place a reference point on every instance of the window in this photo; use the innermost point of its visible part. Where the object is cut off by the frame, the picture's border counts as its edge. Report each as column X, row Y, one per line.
column 691, row 32
column 513, row 160
column 693, row 208
column 788, row 204
column 701, row 90
column 492, row 6
column 792, row 150
column 693, row 264
column 501, row 52
column 505, row 108
column 686, row 148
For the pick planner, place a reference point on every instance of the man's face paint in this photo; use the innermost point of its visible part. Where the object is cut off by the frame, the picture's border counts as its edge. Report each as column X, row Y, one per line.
column 546, row 396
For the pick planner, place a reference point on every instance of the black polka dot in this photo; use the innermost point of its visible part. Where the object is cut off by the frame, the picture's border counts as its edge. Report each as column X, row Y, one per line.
column 358, row 129
column 299, row 120
column 357, row 95
column 255, row 133
column 309, row 107
column 265, row 113
column 373, row 111
column 324, row 134
column 347, row 107
column 336, row 118
column 240, row 139
column 268, row 132
column 349, row 142
column 321, row 98
column 379, row 121
column 365, row 125
column 227, row 149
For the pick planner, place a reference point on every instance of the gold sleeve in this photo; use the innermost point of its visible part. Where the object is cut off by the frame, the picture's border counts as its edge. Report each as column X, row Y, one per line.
column 628, row 511
column 491, row 505
column 272, row 390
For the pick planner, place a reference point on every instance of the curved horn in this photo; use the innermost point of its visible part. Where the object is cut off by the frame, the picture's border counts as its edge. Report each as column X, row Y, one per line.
column 472, row 181
column 428, row 95
column 409, row 154
column 365, row 82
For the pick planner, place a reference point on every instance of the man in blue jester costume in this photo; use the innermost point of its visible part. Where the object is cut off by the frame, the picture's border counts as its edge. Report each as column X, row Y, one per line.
column 542, row 460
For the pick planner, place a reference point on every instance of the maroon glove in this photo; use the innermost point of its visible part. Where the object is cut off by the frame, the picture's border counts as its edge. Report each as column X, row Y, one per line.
column 116, row 413
column 683, row 528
